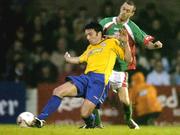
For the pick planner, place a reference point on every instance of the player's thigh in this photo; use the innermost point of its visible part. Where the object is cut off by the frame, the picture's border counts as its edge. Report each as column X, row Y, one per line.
column 66, row 89
column 123, row 94
column 118, row 80
column 87, row 108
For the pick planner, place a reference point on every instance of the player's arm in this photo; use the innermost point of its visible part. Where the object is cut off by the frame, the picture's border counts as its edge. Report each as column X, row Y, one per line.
column 142, row 38
column 155, row 45
column 120, row 51
column 124, row 41
column 127, row 52
column 149, row 44
column 77, row 60
column 70, row 59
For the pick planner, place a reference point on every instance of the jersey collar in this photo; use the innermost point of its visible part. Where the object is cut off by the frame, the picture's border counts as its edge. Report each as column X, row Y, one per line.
column 115, row 21
column 125, row 24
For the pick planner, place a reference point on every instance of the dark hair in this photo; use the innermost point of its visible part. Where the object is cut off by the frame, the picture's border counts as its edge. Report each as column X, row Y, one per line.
column 130, row 2
column 94, row 25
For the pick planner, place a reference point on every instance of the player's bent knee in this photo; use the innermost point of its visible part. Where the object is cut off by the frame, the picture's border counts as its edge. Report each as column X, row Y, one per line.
column 55, row 92
column 85, row 113
column 58, row 92
column 125, row 100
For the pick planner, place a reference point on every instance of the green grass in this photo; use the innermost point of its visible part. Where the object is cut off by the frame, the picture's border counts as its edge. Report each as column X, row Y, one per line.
column 73, row 130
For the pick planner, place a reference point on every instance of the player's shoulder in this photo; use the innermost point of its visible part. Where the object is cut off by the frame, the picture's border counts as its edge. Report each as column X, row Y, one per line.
column 132, row 24
column 88, row 47
column 106, row 19
column 112, row 40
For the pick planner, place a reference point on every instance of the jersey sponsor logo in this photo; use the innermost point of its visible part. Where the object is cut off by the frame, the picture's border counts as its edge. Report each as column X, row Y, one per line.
column 95, row 97
column 94, row 51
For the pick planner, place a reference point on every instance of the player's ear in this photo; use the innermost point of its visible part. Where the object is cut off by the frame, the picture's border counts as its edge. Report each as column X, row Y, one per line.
column 100, row 33
column 132, row 14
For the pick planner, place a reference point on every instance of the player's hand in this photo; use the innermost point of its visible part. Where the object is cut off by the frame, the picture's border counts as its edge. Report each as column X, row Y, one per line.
column 123, row 35
column 67, row 56
column 158, row 44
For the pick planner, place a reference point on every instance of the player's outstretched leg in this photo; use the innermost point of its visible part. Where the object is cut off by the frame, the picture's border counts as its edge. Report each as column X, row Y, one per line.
column 128, row 117
column 66, row 89
column 127, row 112
column 38, row 123
column 127, row 107
column 132, row 124
column 50, row 107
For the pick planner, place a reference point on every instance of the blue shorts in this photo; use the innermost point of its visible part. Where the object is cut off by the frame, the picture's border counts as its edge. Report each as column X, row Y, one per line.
column 91, row 86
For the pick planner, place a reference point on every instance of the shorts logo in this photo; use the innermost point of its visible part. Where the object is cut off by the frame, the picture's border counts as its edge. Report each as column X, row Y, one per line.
column 95, row 97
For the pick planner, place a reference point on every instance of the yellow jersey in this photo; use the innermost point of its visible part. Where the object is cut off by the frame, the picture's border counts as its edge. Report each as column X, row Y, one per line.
column 100, row 58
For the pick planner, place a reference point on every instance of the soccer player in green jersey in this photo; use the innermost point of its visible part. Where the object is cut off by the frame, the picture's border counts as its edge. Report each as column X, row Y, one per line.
column 119, row 78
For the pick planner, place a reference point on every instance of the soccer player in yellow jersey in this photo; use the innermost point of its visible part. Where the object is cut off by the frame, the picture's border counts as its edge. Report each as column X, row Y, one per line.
column 100, row 58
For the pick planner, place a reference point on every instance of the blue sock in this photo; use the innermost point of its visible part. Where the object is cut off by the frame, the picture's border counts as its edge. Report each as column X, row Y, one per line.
column 50, row 107
column 90, row 121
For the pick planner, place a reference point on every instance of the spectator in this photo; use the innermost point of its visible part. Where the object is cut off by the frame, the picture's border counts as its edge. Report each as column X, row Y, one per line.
column 44, row 15
column 176, row 59
column 175, row 77
column 36, row 33
column 78, row 28
column 57, row 56
column 45, row 70
column 156, row 55
column 61, row 32
column 60, row 18
column 158, row 76
column 107, row 10
column 144, row 97
column 142, row 61
column 18, row 73
column 68, row 69
column 16, row 52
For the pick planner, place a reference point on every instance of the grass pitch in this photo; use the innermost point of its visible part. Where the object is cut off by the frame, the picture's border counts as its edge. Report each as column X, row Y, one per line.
column 73, row 130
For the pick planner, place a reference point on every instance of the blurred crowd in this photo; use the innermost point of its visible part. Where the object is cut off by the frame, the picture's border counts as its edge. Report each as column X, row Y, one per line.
column 33, row 46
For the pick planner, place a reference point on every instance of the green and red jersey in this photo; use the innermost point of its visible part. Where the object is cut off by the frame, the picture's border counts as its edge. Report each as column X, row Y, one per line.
column 135, row 35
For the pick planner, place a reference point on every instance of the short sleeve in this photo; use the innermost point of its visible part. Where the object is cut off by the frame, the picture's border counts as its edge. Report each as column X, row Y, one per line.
column 84, row 56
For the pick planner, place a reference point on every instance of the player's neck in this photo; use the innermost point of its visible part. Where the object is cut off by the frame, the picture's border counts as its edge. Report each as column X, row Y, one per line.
column 102, row 39
column 98, row 41
column 119, row 20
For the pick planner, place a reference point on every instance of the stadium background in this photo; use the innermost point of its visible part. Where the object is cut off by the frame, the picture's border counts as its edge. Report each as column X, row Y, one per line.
column 31, row 63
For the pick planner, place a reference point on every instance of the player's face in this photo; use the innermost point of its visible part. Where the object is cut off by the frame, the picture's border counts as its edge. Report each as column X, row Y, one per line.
column 92, row 36
column 126, row 11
